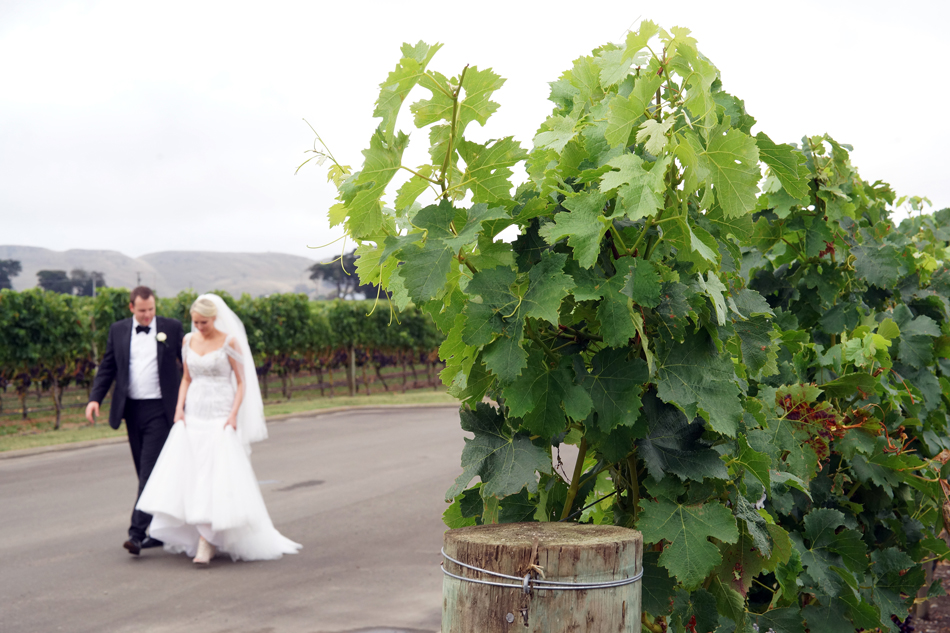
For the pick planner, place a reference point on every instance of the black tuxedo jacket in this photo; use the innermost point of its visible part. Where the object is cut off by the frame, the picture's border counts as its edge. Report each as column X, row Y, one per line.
column 115, row 367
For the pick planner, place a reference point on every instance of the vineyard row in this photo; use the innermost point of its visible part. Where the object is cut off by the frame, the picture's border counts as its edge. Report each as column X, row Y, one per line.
column 50, row 341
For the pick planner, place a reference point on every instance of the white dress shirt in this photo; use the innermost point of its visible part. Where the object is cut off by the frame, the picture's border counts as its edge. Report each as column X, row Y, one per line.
column 143, row 363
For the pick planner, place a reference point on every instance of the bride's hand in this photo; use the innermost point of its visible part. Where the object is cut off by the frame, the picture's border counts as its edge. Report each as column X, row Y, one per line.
column 179, row 416
column 232, row 422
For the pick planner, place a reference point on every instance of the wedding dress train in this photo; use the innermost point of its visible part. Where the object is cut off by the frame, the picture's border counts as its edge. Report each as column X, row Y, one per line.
column 203, row 484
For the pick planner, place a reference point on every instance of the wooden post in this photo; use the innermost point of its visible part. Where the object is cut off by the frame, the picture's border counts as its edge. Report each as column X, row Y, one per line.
column 567, row 552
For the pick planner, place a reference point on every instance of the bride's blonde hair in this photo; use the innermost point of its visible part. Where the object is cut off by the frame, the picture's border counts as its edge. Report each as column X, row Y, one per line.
column 205, row 307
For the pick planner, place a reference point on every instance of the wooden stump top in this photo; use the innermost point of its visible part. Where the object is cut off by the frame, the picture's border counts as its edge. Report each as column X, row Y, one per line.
column 565, row 550
column 548, row 535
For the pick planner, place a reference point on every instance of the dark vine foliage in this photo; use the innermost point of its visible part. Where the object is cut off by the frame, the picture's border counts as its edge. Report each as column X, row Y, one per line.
column 732, row 332
column 50, row 340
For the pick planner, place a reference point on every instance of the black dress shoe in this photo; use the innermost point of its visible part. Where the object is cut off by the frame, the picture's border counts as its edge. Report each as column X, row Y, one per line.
column 150, row 542
column 133, row 545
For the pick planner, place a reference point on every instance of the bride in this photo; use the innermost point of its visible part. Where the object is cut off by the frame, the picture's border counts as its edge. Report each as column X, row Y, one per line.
column 203, row 494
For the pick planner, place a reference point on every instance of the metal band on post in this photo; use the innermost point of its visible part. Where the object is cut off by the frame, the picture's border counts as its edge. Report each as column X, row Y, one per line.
column 527, row 583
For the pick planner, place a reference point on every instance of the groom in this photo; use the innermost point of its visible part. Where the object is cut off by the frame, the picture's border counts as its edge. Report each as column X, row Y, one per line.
column 143, row 357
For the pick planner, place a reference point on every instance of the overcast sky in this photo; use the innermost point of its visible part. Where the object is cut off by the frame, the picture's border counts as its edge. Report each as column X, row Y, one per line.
column 144, row 127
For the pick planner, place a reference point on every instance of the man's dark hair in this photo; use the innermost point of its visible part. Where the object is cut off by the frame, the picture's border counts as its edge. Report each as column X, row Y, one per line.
column 140, row 291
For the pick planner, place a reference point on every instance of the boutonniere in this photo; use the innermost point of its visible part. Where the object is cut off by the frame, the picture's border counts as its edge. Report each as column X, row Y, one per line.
column 160, row 337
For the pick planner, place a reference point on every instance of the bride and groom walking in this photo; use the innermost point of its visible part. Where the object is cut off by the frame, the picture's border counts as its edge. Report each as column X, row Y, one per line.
column 190, row 438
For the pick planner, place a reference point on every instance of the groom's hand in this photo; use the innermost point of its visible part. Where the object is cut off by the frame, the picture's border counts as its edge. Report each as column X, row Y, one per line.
column 92, row 409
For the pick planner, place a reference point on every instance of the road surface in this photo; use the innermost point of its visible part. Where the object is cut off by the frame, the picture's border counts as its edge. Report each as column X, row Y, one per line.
column 362, row 491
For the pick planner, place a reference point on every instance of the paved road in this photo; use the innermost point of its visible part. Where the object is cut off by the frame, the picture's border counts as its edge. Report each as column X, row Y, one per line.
column 361, row 490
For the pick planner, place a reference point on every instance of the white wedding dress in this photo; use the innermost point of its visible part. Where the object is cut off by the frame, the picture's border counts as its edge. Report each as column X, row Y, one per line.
column 203, row 483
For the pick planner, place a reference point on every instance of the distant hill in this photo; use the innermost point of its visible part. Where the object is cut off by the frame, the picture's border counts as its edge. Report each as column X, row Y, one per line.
column 170, row 272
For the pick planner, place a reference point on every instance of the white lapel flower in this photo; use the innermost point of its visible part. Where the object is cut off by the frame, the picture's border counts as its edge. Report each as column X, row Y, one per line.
column 160, row 337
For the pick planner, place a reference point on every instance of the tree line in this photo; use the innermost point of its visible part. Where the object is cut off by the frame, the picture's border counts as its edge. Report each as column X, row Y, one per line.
column 53, row 339
column 78, row 282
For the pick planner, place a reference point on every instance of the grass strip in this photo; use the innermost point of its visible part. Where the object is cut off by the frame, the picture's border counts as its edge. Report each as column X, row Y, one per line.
column 76, row 429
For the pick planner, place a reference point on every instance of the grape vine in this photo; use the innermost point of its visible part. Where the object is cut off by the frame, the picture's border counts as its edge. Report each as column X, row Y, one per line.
column 756, row 368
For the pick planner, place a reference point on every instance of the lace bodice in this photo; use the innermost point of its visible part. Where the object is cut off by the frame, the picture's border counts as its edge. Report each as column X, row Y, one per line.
column 212, row 389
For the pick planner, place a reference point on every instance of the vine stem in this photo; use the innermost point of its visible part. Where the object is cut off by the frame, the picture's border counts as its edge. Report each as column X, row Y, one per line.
column 573, row 332
column 643, row 233
column 635, row 483
column 537, row 339
column 465, row 261
column 576, row 479
column 415, row 173
column 650, row 626
column 617, row 238
column 450, row 149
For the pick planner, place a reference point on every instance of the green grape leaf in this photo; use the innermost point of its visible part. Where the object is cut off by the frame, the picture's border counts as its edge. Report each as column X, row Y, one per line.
column 517, row 508
column 439, row 107
column 492, row 254
column 739, row 228
column 694, row 376
column 731, row 160
column 393, row 91
column 547, row 287
column 473, row 225
column 787, row 164
column 672, row 444
column 641, row 191
column 427, row 268
column 453, row 518
column 381, row 162
column 653, row 134
column 486, row 319
column 916, row 346
column 658, row 586
column 584, row 226
column 618, row 321
column 729, row 602
column 693, row 243
column 637, row 40
column 749, row 303
column 413, row 188
column 788, row 479
column 541, row 391
column 828, row 548
column 474, row 387
column 559, row 130
column 477, row 106
column 505, row 357
column 879, row 265
column 505, row 463
column 758, row 346
column 781, row 620
column 895, row 574
column 741, row 562
column 614, row 66
column 715, row 290
column 487, row 166
column 626, row 113
column 827, row 618
column 698, row 608
column 614, row 384
column 687, row 528
column 643, row 284
column 700, row 100
column 847, row 385
column 758, row 531
column 755, row 463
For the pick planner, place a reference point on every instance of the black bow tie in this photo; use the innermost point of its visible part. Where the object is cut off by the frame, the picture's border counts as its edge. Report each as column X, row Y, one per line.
column 142, row 328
